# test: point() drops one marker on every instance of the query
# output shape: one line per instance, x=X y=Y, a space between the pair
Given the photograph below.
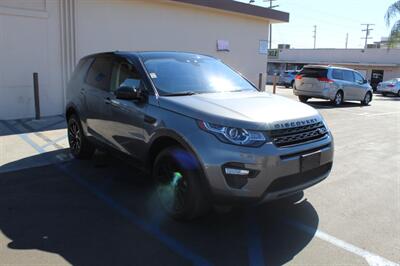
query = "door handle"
x=107 y=100
x=149 y=119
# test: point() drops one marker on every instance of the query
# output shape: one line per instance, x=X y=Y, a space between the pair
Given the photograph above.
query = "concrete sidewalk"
x=45 y=135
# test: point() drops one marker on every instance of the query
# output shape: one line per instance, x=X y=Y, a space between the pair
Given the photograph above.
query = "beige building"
x=375 y=64
x=50 y=36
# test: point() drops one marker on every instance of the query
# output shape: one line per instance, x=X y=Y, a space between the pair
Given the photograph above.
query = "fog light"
x=235 y=171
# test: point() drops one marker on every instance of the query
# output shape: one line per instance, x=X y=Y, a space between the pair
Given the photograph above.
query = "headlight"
x=232 y=135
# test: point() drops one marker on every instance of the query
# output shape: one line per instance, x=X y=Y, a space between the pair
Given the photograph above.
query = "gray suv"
x=332 y=83
x=205 y=134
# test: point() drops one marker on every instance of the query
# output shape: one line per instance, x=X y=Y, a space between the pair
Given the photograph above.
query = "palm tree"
x=393 y=12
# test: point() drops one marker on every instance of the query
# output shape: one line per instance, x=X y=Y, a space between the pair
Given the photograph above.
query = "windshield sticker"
x=153 y=75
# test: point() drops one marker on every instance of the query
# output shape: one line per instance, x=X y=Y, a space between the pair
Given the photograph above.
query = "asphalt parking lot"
x=55 y=210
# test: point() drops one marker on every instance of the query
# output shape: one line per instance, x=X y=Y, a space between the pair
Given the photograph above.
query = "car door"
x=127 y=116
x=350 y=88
x=97 y=94
x=361 y=86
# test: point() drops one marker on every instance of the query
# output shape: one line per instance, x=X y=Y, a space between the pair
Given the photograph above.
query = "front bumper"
x=278 y=169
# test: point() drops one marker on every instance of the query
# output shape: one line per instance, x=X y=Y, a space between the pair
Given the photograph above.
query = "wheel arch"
x=166 y=138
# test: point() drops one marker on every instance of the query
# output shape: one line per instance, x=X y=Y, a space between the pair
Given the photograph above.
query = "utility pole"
x=271 y=6
x=270 y=25
x=367 y=33
x=347 y=39
x=315 y=36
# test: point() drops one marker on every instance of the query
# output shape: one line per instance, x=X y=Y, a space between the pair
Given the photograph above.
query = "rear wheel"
x=179 y=189
x=367 y=99
x=398 y=93
x=80 y=147
x=338 y=100
x=303 y=99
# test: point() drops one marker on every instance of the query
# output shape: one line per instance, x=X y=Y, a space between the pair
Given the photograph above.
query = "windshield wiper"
x=183 y=93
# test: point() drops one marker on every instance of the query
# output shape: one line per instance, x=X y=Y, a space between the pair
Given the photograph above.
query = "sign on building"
x=273 y=53
x=223 y=46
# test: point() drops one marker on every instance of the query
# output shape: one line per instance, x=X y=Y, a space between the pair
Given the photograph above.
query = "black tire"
x=177 y=176
x=338 y=100
x=384 y=94
x=287 y=86
x=80 y=146
x=303 y=99
x=367 y=99
x=398 y=93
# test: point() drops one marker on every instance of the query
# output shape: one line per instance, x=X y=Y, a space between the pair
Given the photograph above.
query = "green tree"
x=392 y=13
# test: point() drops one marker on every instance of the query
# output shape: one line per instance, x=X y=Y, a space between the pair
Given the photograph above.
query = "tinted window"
x=337 y=74
x=181 y=72
x=358 y=78
x=314 y=72
x=348 y=75
x=99 y=74
x=126 y=75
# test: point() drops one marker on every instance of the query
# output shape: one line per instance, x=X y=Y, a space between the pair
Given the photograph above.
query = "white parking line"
x=372 y=259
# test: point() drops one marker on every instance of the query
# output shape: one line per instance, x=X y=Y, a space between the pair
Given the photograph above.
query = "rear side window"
x=314 y=73
x=337 y=74
x=358 y=78
x=348 y=75
x=99 y=74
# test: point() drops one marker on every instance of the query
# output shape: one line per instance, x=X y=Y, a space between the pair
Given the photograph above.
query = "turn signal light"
x=298 y=77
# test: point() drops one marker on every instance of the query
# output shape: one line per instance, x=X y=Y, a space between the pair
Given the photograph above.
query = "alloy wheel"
x=74 y=136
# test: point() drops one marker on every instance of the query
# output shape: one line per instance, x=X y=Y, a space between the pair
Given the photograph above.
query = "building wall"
x=365 y=61
x=29 y=42
x=50 y=36
x=162 y=25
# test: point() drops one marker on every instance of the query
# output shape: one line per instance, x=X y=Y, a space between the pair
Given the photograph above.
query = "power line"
x=315 y=36
x=367 y=33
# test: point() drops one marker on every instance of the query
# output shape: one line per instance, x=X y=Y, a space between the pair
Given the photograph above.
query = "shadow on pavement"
x=45 y=208
x=7 y=127
x=329 y=105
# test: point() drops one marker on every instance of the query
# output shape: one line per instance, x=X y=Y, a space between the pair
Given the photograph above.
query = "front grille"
x=298 y=135
x=299 y=179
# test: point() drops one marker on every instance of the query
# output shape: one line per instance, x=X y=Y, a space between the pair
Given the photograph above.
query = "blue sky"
x=334 y=18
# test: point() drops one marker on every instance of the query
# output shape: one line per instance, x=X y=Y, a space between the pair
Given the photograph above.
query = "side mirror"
x=365 y=81
x=128 y=93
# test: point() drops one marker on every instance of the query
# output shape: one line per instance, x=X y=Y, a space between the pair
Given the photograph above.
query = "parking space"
x=55 y=210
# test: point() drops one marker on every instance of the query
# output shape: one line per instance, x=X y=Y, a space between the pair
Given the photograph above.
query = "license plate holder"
x=310 y=161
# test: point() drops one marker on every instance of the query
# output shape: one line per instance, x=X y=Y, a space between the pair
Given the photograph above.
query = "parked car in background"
x=205 y=134
x=287 y=78
x=389 y=87
x=332 y=83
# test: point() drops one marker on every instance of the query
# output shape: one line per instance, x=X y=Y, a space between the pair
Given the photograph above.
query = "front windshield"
x=174 y=73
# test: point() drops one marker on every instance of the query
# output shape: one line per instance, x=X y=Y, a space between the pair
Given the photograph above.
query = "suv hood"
x=250 y=110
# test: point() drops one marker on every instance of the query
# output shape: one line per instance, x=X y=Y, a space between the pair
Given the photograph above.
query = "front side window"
x=99 y=74
x=125 y=75
x=358 y=78
x=174 y=73
x=348 y=75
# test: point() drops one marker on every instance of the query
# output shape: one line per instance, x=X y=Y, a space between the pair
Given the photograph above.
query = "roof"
x=240 y=8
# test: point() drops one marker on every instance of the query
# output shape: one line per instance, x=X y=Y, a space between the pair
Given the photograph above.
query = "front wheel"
x=398 y=93
x=177 y=176
x=367 y=99
x=303 y=99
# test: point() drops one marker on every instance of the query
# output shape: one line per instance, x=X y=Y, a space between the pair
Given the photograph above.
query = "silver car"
x=389 y=87
x=204 y=133
x=332 y=83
